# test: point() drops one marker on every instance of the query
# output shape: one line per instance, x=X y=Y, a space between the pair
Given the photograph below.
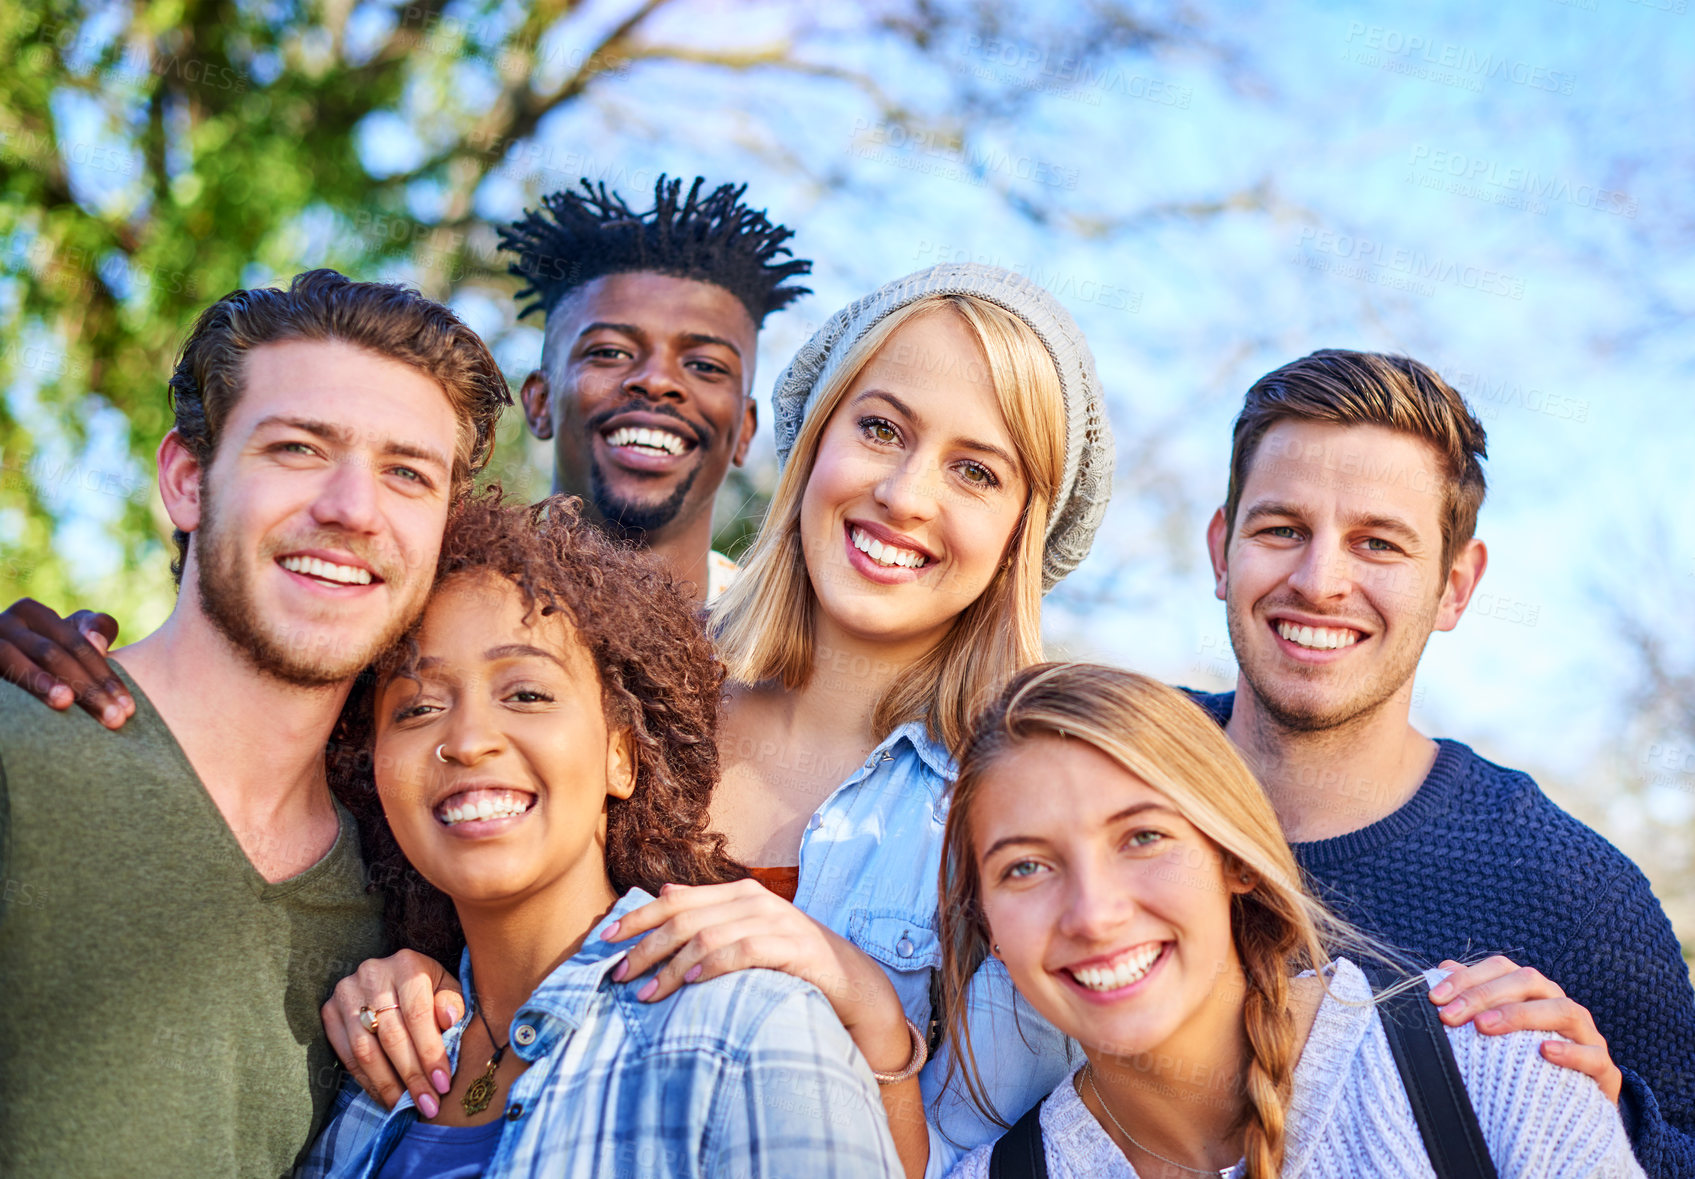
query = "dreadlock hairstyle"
x=577 y=237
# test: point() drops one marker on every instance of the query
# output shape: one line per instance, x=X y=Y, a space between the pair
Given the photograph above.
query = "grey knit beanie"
x=1086 y=482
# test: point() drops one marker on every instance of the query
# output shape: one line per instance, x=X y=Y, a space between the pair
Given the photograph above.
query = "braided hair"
x=577 y=237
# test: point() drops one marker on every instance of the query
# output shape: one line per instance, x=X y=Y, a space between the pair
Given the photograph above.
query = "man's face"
x=644 y=391
x=321 y=515
x=1332 y=574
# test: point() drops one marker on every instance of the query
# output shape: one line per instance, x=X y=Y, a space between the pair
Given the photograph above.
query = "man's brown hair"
x=383 y=318
x=1345 y=388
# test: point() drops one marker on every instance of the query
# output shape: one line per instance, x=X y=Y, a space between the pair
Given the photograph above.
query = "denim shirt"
x=870 y=862
x=747 y=1075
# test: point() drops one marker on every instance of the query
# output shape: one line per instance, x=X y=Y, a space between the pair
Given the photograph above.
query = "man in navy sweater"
x=1344 y=541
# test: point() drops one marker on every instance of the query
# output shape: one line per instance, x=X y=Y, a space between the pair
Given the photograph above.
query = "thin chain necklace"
x=482 y=1090
x=1089 y=1076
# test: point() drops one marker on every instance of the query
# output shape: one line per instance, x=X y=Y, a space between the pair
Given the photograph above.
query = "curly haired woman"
x=541 y=749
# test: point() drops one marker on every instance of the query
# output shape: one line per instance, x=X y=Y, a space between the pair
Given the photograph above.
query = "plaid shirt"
x=749 y=1075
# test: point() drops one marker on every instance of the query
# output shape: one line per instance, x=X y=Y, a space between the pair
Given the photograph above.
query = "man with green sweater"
x=180 y=896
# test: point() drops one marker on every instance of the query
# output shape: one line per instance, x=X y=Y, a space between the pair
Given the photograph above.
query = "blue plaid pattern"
x=748 y=1076
x=869 y=867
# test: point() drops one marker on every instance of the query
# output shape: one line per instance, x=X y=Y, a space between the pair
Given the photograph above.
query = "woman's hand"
x=1500 y=996
x=705 y=931
x=407 y=1046
x=62 y=661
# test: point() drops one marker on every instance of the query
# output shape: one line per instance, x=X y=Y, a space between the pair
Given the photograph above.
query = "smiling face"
x=916 y=489
x=516 y=802
x=317 y=524
x=644 y=392
x=1110 y=910
x=1332 y=576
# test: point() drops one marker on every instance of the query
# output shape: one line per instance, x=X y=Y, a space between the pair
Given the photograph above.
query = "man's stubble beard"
x=227 y=599
x=1294 y=714
x=632 y=519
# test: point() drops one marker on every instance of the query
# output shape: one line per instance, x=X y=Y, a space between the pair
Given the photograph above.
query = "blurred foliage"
x=158 y=153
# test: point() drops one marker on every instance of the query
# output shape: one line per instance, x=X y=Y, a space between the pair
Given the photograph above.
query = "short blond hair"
x=764 y=621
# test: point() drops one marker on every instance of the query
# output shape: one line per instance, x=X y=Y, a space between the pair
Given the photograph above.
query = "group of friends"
x=436 y=835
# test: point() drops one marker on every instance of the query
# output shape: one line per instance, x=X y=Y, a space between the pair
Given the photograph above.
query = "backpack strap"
x=1020 y=1153
x=1446 y=1119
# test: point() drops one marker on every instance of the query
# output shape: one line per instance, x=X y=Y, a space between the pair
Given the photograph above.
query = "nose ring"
x=439 y=757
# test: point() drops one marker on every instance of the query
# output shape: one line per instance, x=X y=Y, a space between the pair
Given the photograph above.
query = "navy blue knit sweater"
x=1479 y=861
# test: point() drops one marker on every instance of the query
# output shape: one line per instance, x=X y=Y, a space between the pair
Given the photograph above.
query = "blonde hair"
x=763 y=623
x=1166 y=740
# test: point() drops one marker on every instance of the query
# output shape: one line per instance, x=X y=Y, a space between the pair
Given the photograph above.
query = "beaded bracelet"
x=920 y=1054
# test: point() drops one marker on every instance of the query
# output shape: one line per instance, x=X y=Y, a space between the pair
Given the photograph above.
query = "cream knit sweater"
x=1349 y=1116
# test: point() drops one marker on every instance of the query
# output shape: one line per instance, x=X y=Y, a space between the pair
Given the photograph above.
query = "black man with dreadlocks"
x=652 y=322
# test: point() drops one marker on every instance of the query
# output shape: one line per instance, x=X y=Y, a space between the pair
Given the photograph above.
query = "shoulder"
x=1218 y=705
x=740 y=1016
x=1539 y=1118
x=974 y=1165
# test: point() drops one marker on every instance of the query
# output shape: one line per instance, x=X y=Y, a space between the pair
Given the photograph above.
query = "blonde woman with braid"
x=1110 y=848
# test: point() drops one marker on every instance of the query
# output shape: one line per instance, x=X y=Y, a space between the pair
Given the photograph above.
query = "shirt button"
x=525 y=1035
x=515 y=1111
x=815 y=822
x=904 y=946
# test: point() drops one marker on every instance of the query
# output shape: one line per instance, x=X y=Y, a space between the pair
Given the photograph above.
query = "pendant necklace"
x=1089 y=1076
x=483 y=1089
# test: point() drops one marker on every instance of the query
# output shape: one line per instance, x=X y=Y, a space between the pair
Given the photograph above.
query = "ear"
x=179 y=482
x=1463 y=577
x=620 y=764
x=1218 y=548
x=1238 y=877
x=538 y=404
x=750 y=426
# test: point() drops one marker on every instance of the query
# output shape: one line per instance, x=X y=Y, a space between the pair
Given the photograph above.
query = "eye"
x=410 y=475
x=1378 y=545
x=1021 y=870
x=413 y=709
x=1144 y=837
x=710 y=367
x=1283 y=532
x=879 y=430
x=300 y=448
x=529 y=695
x=607 y=352
x=978 y=475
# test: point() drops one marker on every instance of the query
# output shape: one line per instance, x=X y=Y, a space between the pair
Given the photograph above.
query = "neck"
x=514 y=946
x=1185 y=1099
x=256 y=742
x=1329 y=782
x=849 y=676
x=682 y=547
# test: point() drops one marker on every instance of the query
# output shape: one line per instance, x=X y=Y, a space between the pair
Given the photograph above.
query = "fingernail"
x=428 y=1105
x=59 y=696
x=1442 y=992
x=646 y=993
x=610 y=932
x=1454 y=1012
x=692 y=973
x=1488 y=1019
x=620 y=970
x=441 y=1080
x=112 y=715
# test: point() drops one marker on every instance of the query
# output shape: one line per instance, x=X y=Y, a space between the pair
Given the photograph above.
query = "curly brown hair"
x=658 y=677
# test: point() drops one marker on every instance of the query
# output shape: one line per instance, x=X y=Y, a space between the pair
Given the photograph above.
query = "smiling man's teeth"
x=1319 y=638
x=326 y=571
x=886 y=554
x=483 y=804
x=1136 y=964
x=650 y=439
